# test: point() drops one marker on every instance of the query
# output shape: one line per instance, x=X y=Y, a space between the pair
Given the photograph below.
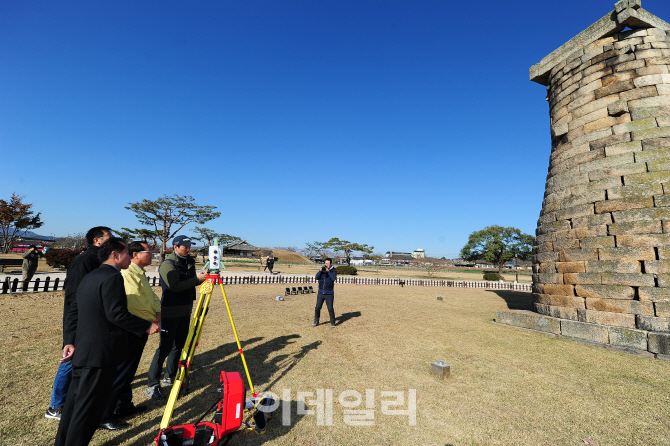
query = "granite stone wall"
x=602 y=250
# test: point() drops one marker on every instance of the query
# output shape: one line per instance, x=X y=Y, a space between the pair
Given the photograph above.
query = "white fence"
x=279 y=279
x=37 y=285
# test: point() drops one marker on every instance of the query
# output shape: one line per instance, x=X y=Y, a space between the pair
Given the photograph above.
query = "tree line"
x=164 y=217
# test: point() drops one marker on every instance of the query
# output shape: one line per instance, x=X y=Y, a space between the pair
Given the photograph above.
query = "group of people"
x=109 y=312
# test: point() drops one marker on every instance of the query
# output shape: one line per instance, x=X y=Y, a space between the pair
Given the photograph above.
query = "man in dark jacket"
x=101 y=339
x=178 y=279
x=83 y=264
x=326 y=276
x=30 y=261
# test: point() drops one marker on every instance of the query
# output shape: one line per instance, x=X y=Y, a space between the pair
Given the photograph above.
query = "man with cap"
x=178 y=279
x=30 y=259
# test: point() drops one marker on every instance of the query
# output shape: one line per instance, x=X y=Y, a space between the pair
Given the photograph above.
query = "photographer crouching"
x=326 y=277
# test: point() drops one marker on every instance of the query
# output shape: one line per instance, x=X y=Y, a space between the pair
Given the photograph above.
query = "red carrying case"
x=230 y=409
x=228 y=418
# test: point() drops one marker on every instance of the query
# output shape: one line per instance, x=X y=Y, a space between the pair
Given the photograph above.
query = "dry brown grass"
x=289 y=256
x=508 y=385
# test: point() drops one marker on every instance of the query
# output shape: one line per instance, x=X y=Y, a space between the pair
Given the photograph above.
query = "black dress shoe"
x=134 y=410
x=114 y=425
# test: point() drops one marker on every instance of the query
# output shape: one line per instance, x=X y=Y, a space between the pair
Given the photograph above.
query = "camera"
x=324 y=269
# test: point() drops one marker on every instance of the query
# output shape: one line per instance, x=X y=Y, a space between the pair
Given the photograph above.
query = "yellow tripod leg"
x=198 y=332
x=188 y=351
x=230 y=315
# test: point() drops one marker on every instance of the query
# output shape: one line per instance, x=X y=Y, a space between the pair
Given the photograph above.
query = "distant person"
x=270 y=263
x=326 y=276
x=143 y=303
x=83 y=264
x=178 y=279
x=30 y=261
x=101 y=340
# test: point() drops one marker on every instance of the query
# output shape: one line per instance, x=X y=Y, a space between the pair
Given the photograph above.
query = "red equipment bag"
x=230 y=409
x=227 y=420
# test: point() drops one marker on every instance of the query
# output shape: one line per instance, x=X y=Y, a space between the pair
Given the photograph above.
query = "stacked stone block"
x=602 y=249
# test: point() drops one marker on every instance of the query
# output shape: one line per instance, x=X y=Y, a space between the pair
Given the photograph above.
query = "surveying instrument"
x=231 y=404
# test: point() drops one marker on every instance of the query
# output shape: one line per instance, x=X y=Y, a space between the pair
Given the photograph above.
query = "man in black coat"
x=83 y=264
x=103 y=325
x=326 y=276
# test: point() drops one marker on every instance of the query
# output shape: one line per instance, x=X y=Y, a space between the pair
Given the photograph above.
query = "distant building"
x=419 y=254
x=483 y=264
x=239 y=248
x=399 y=257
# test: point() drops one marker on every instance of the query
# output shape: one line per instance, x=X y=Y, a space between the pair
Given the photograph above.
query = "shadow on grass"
x=341 y=319
x=140 y=380
x=204 y=379
x=516 y=300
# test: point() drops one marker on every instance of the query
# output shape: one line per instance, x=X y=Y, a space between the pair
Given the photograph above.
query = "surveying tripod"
x=195 y=330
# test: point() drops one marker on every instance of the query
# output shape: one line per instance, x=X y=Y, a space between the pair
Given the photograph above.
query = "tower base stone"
x=646 y=343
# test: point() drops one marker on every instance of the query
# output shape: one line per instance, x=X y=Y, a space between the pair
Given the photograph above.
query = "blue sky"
x=399 y=124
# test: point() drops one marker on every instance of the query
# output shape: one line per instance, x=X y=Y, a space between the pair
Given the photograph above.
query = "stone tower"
x=602 y=250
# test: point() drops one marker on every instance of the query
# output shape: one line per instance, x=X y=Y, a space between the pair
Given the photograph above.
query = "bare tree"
x=430 y=265
x=73 y=241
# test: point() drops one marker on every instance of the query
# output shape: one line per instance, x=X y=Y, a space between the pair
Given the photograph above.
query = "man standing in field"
x=178 y=279
x=83 y=264
x=101 y=339
x=143 y=303
x=30 y=260
x=326 y=276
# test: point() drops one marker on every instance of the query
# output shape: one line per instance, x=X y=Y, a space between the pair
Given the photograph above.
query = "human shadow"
x=516 y=300
x=140 y=380
x=287 y=362
x=344 y=317
x=263 y=363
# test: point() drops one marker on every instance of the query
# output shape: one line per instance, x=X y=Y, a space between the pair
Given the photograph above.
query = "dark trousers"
x=329 y=303
x=27 y=277
x=85 y=404
x=171 y=343
x=121 y=395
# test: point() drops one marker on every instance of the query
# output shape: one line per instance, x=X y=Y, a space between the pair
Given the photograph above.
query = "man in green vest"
x=30 y=259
